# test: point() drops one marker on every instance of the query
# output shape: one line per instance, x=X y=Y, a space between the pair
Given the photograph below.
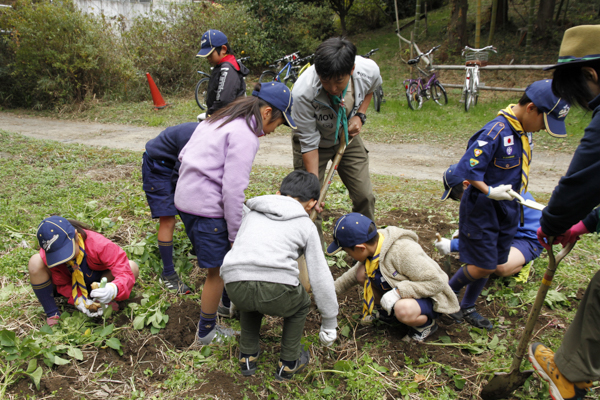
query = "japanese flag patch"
x=508 y=141
x=477 y=152
x=473 y=162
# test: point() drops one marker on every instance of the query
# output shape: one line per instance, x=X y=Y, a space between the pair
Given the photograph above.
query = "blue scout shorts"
x=209 y=237
x=486 y=229
x=380 y=284
x=530 y=248
x=427 y=308
x=160 y=192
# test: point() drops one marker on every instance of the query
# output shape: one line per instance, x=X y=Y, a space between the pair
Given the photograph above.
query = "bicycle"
x=474 y=58
x=418 y=91
x=202 y=87
x=378 y=92
x=290 y=71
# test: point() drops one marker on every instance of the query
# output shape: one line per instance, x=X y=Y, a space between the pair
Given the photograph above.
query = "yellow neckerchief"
x=371 y=266
x=514 y=122
x=77 y=276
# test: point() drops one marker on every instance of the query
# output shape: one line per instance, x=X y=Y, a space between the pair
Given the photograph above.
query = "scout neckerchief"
x=78 y=288
x=371 y=266
x=342 y=118
x=514 y=122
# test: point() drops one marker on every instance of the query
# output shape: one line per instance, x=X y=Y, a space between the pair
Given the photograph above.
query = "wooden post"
x=412 y=47
x=398 y=28
x=493 y=21
x=417 y=17
x=478 y=25
x=529 y=30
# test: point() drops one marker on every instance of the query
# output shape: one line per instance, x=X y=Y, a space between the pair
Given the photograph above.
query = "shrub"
x=56 y=54
x=367 y=15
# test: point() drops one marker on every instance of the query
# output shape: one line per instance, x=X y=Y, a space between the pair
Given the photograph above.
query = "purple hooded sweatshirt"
x=215 y=171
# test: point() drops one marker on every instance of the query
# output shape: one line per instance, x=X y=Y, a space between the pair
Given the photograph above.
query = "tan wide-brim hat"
x=580 y=44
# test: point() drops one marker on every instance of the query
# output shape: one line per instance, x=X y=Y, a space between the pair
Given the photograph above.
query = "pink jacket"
x=215 y=171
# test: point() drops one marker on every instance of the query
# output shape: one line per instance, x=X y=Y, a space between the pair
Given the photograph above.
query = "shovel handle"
x=539 y=302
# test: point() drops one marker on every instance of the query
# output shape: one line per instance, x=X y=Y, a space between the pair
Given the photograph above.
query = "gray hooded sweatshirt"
x=275 y=232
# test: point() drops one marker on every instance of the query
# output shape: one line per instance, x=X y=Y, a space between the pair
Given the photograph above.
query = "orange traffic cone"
x=159 y=103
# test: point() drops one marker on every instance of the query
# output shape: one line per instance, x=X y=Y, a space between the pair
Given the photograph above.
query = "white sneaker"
x=201 y=117
x=218 y=335
x=420 y=334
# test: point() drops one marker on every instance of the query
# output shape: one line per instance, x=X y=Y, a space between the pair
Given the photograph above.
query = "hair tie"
x=254 y=93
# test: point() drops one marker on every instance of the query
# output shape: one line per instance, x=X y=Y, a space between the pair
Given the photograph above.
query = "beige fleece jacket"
x=404 y=265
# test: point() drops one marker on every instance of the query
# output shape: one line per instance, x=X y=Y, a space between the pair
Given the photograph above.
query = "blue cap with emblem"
x=212 y=38
x=555 y=109
x=56 y=236
x=350 y=230
x=279 y=96
x=450 y=180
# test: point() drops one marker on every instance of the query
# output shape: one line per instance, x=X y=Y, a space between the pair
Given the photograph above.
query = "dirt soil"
x=417 y=161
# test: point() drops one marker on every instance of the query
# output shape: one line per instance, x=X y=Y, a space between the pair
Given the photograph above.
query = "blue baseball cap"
x=350 y=230
x=56 y=236
x=555 y=109
x=450 y=180
x=210 y=39
x=279 y=96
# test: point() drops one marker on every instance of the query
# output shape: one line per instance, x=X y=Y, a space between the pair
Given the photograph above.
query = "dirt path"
x=417 y=161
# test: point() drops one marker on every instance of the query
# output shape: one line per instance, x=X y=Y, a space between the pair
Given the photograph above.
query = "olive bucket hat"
x=579 y=44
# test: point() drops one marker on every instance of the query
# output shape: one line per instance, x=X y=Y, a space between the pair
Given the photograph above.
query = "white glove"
x=389 y=299
x=443 y=246
x=327 y=336
x=500 y=192
x=106 y=294
x=455 y=235
x=82 y=307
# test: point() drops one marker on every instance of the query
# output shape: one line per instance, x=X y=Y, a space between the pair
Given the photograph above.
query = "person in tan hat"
x=571 y=370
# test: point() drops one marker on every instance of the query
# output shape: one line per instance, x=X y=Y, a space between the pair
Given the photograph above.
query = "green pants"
x=254 y=299
x=354 y=173
x=578 y=357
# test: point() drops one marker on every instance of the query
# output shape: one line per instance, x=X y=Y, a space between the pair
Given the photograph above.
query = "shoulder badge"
x=477 y=152
x=473 y=162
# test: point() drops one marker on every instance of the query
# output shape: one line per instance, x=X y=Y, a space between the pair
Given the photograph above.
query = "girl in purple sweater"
x=215 y=171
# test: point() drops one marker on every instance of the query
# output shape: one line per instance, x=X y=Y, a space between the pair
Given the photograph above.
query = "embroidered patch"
x=563 y=113
x=477 y=152
x=481 y=143
x=46 y=244
x=509 y=150
x=508 y=141
x=473 y=162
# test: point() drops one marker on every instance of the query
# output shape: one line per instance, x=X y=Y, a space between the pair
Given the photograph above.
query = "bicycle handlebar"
x=416 y=60
x=289 y=57
x=244 y=59
x=486 y=48
x=370 y=53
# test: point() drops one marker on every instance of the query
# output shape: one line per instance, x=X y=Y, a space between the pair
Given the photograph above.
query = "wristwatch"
x=363 y=117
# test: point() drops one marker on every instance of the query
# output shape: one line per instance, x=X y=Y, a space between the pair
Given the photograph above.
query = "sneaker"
x=51 y=321
x=542 y=359
x=226 y=312
x=420 y=334
x=477 y=320
x=248 y=364
x=523 y=275
x=284 y=373
x=458 y=317
x=218 y=335
x=172 y=282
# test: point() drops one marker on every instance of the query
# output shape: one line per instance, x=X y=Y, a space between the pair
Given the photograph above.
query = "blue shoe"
x=477 y=320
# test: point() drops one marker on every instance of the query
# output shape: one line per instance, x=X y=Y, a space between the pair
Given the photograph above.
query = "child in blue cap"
x=395 y=272
x=215 y=171
x=227 y=78
x=497 y=160
x=524 y=247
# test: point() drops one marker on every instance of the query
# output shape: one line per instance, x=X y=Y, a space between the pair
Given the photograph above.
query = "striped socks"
x=206 y=324
x=166 y=255
x=45 y=294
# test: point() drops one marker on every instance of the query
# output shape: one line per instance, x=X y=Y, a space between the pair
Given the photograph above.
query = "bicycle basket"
x=476 y=57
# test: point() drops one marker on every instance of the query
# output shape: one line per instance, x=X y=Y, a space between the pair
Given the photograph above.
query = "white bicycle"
x=474 y=58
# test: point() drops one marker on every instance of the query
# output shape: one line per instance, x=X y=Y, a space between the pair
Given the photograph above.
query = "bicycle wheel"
x=267 y=76
x=377 y=98
x=289 y=82
x=201 y=92
x=438 y=94
x=415 y=101
x=468 y=93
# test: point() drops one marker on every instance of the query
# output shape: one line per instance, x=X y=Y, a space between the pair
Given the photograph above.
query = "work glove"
x=389 y=299
x=499 y=192
x=560 y=239
x=443 y=246
x=574 y=233
x=455 y=235
x=327 y=336
x=81 y=306
x=106 y=294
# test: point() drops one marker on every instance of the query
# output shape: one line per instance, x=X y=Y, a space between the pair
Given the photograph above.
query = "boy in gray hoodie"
x=261 y=273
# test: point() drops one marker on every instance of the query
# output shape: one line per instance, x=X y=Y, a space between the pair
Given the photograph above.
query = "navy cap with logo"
x=210 y=39
x=279 y=96
x=555 y=109
x=350 y=230
x=56 y=236
x=450 y=180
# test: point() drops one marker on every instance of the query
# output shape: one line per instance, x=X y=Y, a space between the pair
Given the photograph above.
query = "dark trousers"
x=255 y=298
x=578 y=357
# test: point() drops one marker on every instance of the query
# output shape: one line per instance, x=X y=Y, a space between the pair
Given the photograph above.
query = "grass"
x=102 y=187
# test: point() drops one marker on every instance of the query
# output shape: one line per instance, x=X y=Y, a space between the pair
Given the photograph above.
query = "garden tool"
x=447 y=262
x=503 y=384
x=526 y=203
x=303 y=275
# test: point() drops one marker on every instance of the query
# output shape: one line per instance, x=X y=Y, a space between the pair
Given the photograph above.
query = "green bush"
x=165 y=43
x=56 y=55
x=367 y=15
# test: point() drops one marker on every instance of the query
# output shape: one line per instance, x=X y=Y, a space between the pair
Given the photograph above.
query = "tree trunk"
x=529 y=31
x=457 y=28
x=493 y=22
x=545 y=14
x=343 y=23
